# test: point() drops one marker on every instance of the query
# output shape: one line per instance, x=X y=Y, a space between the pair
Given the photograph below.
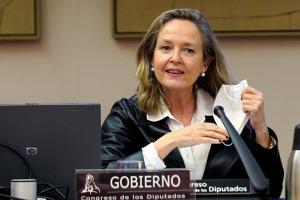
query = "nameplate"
x=221 y=187
x=106 y=184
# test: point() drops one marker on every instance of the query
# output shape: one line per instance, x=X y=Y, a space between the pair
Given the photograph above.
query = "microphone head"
x=219 y=111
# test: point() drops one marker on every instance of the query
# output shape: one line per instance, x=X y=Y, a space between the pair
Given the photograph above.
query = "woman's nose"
x=175 y=57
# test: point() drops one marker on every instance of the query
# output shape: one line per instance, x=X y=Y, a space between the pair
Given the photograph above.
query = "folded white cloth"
x=229 y=97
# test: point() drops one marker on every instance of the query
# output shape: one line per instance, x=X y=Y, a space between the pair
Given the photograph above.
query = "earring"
x=151 y=74
x=203 y=74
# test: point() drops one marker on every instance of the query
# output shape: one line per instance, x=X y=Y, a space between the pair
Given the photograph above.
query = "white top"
x=194 y=157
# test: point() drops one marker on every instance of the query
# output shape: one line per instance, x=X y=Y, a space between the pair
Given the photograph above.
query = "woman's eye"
x=165 y=48
x=189 y=50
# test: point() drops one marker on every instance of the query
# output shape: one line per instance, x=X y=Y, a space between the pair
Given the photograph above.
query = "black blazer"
x=126 y=131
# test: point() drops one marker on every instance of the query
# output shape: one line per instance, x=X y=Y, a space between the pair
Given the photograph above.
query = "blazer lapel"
x=155 y=131
x=220 y=160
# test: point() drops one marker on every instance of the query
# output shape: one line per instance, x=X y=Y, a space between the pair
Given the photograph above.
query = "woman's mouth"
x=174 y=71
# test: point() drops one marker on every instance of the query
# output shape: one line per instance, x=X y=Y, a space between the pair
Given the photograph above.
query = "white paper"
x=229 y=97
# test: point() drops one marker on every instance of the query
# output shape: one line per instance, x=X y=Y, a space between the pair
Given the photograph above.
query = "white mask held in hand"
x=229 y=97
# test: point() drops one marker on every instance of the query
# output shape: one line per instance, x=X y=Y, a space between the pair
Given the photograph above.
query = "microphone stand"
x=256 y=176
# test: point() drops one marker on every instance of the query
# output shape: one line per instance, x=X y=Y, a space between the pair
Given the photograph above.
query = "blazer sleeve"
x=270 y=162
x=119 y=135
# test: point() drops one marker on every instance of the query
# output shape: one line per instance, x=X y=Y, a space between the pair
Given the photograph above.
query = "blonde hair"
x=150 y=92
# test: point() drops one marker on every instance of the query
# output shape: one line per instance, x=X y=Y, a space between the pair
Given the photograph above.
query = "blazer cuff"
x=274 y=147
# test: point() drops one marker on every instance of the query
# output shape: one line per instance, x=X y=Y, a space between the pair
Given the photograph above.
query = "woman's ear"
x=206 y=64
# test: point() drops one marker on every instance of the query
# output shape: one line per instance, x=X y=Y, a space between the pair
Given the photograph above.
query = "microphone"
x=255 y=174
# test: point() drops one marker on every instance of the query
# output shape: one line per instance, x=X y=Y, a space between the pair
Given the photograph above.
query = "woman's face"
x=178 y=55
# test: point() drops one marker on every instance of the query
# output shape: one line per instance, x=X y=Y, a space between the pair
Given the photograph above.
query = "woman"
x=169 y=124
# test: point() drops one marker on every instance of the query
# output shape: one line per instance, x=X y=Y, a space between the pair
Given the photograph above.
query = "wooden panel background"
x=227 y=17
x=19 y=19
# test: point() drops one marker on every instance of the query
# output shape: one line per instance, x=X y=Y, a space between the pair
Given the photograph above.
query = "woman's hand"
x=188 y=136
x=198 y=133
x=253 y=104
